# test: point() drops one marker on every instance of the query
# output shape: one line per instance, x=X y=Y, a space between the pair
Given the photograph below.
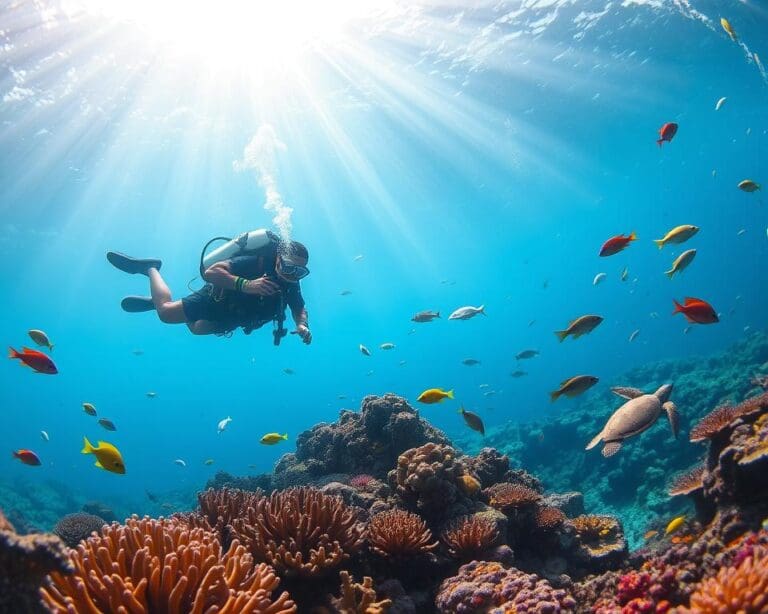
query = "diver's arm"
x=302 y=324
x=220 y=276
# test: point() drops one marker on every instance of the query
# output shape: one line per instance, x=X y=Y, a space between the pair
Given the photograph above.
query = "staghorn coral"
x=547 y=518
x=357 y=598
x=428 y=479
x=508 y=497
x=300 y=531
x=73 y=528
x=221 y=507
x=600 y=542
x=397 y=533
x=470 y=536
x=687 y=482
x=481 y=587
x=163 y=566
x=24 y=562
x=742 y=588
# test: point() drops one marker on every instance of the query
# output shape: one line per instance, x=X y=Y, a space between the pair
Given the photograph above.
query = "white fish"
x=654 y=315
x=180 y=462
x=387 y=346
x=741 y=232
x=720 y=103
x=598 y=278
x=370 y=373
x=634 y=335
x=358 y=258
x=151 y=395
x=714 y=172
x=484 y=386
x=223 y=424
x=402 y=363
x=365 y=350
x=44 y=435
x=465 y=313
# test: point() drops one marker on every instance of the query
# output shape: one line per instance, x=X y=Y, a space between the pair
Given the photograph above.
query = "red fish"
x=696 y=311
x=28 y=457
x=34 y=359
x=615 y=244
x=667 y=133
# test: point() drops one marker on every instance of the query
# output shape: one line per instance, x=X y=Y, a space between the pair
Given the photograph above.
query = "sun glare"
x=237 y=32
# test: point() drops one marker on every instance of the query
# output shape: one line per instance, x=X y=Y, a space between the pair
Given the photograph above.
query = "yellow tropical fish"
x=108 y=457
x=470 y=485
x=270 y=439
x=682 y=261
x=674 y=525
x=728 y=28
x=434 y=395
x=679 y=234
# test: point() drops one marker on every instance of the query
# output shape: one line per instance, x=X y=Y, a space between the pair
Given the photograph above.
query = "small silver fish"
x=107 y=424
x=358 y=258
x=470 y=362
x=223 y=424
x=387 y=346
x=44 y=436
x=180 y=462
x=526 y=354
x=720 y=103
x=345 y=292
x=151 y=395
x=288 y=371
x=466 y=313
x=364 y=350
x=634 y=335
x=598 y=278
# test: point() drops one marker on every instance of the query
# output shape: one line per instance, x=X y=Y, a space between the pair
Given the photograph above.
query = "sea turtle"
x=639 y=413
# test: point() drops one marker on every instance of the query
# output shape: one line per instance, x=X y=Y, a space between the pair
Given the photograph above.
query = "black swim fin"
x=133 y=265
x=137 y=304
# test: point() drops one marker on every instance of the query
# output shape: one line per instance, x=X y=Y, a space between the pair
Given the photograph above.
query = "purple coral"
x=483 y=587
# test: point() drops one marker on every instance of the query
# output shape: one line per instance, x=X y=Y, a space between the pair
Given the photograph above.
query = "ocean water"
x=430 y=155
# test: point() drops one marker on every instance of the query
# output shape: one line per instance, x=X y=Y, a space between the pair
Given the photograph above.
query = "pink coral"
x=361 y=481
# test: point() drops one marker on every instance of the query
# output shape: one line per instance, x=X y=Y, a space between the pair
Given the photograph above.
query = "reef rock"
x=368 y=441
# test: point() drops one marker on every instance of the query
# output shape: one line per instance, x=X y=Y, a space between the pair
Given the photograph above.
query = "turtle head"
x=663 y=393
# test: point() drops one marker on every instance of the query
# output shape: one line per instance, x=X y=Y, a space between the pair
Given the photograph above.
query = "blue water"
x=469 y=158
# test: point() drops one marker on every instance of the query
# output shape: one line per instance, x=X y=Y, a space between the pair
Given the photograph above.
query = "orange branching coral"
x=548 y=518
x=722 y=417
x=358 y=598
x=687 y=482
x=163 y=567
x=741 y=589
x=507 y=497
x=221 y=507
x=300 y=531
x=470 y=536
x=399 y=533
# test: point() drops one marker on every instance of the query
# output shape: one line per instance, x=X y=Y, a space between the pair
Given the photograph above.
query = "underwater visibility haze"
x=430 y=156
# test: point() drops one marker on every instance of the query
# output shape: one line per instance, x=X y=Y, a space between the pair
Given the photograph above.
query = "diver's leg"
x=203 y=327
x=168 y=310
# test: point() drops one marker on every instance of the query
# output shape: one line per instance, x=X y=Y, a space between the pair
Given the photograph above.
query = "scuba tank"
x=246 y=242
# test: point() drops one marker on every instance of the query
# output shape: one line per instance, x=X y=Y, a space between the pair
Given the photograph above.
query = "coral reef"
x=687 y=482
x=428 y=479
x=600 y=542
x=221 y=507
x=469 y=537
x=300 y=531
x=356 y=598
x=368 y=441
x=509 y=497
x=24 y=562
x=74 y=528
x=489 y=587
x=547 y=518
x=162 y=566
x=222 y=480
x=398 y=533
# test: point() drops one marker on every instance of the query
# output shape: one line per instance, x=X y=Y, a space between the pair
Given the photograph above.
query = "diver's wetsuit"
x=229 y=309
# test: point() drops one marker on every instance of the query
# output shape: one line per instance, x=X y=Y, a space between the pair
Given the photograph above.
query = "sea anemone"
x=687 y=482
x=397 y=533
x=162 y=566
x=741 y=589
x=300 y=531
x=73 y=528
x=507 y=497
x=548 y=518
x=469 y=536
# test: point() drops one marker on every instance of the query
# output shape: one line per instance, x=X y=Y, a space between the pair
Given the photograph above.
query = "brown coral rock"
x=469 y=537
x=301 y=531
x=713 y=423
x=397 y=533
x=163 y=567
x=600 y=540
x=548 y=518
x=358 y=598
x=508 y=497
x=687 y=482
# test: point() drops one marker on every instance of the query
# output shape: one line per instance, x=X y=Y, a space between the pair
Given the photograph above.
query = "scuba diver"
x=250 y=281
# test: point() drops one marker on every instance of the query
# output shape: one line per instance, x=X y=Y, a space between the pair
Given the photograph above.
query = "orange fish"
x=28 y=457
x=696 y=311
x=667 y=133
x=34 y=359
x=650 y=534
x=615 y=244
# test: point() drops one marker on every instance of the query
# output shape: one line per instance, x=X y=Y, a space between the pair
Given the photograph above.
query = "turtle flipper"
x=673 y=417
x=595 y=441
x=611 y=448
x=627 y=393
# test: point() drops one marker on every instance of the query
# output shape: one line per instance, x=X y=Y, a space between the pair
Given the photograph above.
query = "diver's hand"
x=303 y=332
x=263 y=286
